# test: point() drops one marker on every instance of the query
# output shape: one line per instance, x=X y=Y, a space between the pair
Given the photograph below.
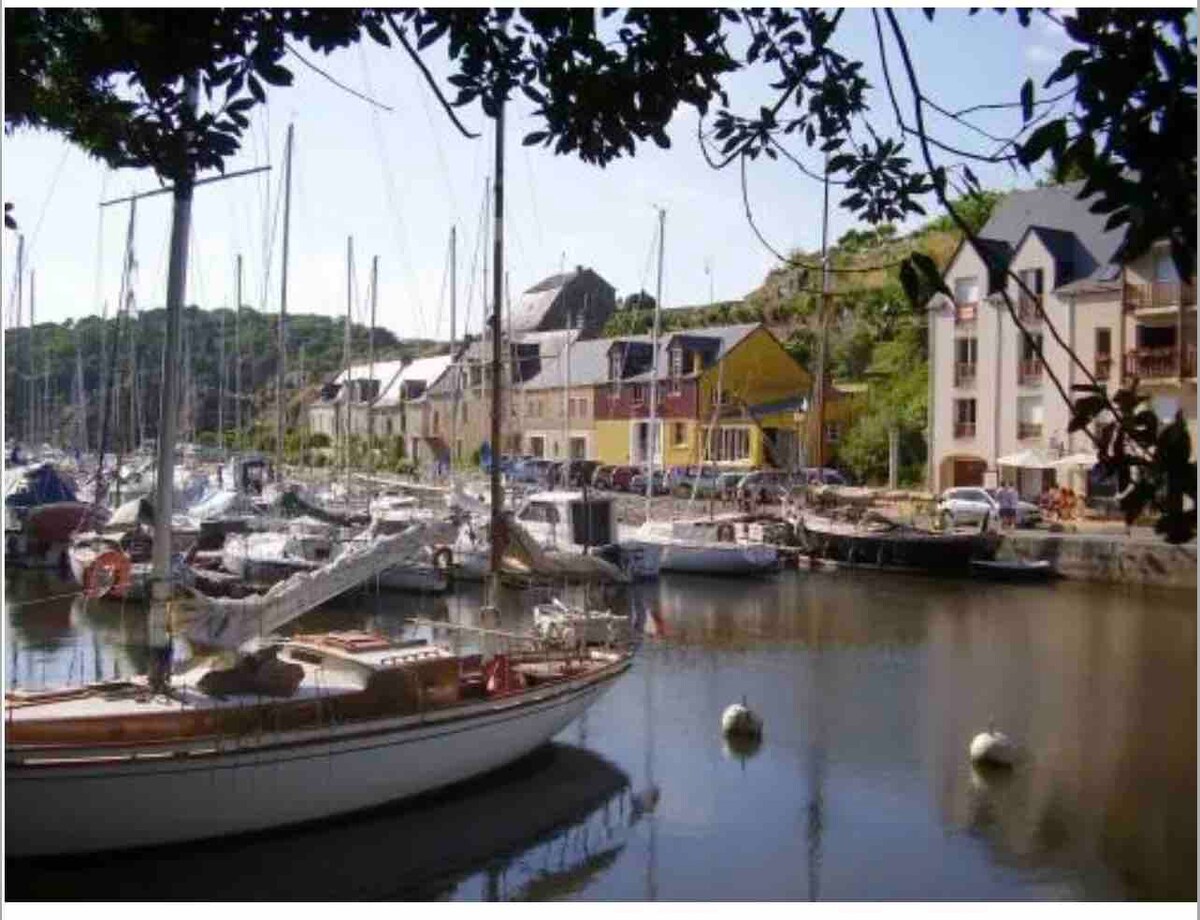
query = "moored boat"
x=886 y=545
x=298 y=730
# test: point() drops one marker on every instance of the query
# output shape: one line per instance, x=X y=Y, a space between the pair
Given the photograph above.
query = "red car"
x=621 y=477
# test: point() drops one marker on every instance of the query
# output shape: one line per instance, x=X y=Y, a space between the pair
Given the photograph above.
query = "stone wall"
x=1100 y=557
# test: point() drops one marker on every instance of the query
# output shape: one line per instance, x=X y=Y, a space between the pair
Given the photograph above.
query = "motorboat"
x=572 y=627
x=304 y=545
x=573 y=521
x=876 y=542
x=41 y=510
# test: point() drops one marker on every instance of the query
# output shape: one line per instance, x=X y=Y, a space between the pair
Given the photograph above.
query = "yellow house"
x=755 y=424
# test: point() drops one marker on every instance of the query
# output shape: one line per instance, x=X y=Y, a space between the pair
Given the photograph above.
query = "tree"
x=598 y=93
x=639 y=301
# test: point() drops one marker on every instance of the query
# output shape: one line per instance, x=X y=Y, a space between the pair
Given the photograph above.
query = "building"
x=377 y=392
x=758 y=421
x=580 y=299
x=991 y=397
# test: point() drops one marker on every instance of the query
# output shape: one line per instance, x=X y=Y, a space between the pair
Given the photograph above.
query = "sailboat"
x=295 y=729
x=684 y=547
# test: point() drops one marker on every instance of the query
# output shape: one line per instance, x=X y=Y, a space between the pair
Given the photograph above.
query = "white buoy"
x=739 y=721
x=993 y=748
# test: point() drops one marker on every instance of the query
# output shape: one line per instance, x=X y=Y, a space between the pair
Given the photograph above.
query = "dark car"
x=580 y=472
x=661 y=486
x=602 y=476
x=763 y=486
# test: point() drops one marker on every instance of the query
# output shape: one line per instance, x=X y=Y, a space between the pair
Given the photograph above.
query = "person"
x=1007 y=499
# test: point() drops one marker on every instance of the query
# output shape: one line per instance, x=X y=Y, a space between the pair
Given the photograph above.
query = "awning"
x=1085 y=459
x=1030 y=459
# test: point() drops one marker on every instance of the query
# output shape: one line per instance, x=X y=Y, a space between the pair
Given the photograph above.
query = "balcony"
x=964 y=429
x=1160 y=294
x=1151 y=363
x=965 y=312
x=1029 y=308
x=1103 y=366
x=1029 y=430
x=1029 y=373
x=964 y=374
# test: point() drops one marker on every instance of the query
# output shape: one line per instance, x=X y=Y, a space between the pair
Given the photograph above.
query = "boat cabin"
x=569 y=519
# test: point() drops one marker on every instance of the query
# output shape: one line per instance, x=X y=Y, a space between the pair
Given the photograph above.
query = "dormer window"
x=677 y=361
x=614 y=364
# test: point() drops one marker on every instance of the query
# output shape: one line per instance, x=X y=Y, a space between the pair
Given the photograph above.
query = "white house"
x=990 y=397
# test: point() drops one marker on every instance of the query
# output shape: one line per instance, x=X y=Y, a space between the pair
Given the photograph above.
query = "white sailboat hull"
x=189 y=793
x=718 y=558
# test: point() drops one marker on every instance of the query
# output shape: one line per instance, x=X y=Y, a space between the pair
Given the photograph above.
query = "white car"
x=968 y=505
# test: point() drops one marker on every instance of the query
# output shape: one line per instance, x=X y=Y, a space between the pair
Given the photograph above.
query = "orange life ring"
x=109 y=573
x=500 y=678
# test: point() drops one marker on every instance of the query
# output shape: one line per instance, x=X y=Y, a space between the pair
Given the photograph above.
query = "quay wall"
x=1108 y=558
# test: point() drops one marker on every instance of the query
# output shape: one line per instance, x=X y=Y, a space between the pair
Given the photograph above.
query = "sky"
x=397 y=181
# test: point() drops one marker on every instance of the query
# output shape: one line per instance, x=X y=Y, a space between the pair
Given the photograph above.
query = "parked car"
x=621 y=478
x=580 y=472
x=703 y=482
x=661 y=486
x=602 y=476
x=727 y=483
x=969 y=505
x=763 y=485
x=533 y=471
x=823 y=476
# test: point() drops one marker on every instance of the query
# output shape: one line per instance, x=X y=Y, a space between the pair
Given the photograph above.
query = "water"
x=870 y=686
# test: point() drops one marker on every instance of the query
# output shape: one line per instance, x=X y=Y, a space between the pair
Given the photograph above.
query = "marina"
x=870 y=687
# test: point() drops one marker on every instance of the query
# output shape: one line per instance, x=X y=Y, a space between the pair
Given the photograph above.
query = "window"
x=1032 y=279
x=1029 y=305
x=389 y=427
x=966 y=353
x=1029 y=417
x=679 y=434
x=676 y=361
x=964 y=418
x=832 y=429
x=537 y=446
x=437 y=424
x=614 y=364
x=1103 y=358
x=578 y=448
x=1029 y=370
x=639 y=393
x=966 y=290
x=729 y=445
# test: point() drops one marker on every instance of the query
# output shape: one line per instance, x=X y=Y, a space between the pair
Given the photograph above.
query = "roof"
x=531 y=307
x=425 y=370
x=382 y=371
x=1063 y=222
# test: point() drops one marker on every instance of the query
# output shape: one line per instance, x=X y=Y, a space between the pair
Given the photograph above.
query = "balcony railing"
x=964 y=429
x=1029 y=308
x=965 y=312
x=1103 y=366
x=1149 y=363
x=964 y=373
x=1029 y=372
x=1027 y=430
x=1160 y=294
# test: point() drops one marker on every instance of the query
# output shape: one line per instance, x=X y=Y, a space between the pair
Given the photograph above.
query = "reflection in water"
x=870 y=686
x=531 y=829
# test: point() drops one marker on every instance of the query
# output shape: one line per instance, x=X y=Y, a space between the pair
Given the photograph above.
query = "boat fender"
x=725 y=533
x=739 y=721
x=443 y=558
x=109 y=573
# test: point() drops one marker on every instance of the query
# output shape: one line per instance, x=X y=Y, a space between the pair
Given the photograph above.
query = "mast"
x=453 y=334
x=131 y=371
x=651 y=435
x=302 y=424
x=221 y=388
x=497 y=525
x=346 y=361
x=287 y=219
x=371 y=364
x=823 y=340
x=160 y=583
x=32 y=389
x=20 y=309
x=237 y=355
x=81 y=439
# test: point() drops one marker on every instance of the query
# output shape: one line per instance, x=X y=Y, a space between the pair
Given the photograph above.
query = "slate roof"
x=1064 y=224
x=391 y=375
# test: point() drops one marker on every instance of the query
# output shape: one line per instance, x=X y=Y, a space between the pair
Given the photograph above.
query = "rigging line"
x=537 y=221
x=340 y=85
x=97 y=280
x=433 y=129
x=401 y=230
x=1006 y=105
x=46 y=204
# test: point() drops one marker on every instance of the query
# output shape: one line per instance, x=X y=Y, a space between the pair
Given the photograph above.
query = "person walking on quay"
x=1007 y=499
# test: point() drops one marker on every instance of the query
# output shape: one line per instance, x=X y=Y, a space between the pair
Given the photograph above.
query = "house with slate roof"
x=991 y=397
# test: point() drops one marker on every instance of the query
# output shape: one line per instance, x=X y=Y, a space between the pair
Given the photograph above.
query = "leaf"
x=275 y=74
x=928 y=271
x=1050 y=136
x=255 y=87
x=535 y=137
x=1084 y=411
x=1027 y=100
x=376 y=32
x=910 y=282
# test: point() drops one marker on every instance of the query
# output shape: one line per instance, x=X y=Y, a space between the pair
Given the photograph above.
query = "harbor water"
x=870 y=687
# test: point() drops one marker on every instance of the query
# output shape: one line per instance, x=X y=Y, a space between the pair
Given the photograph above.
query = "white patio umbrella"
x=1086 y=459
x=1029 y=458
